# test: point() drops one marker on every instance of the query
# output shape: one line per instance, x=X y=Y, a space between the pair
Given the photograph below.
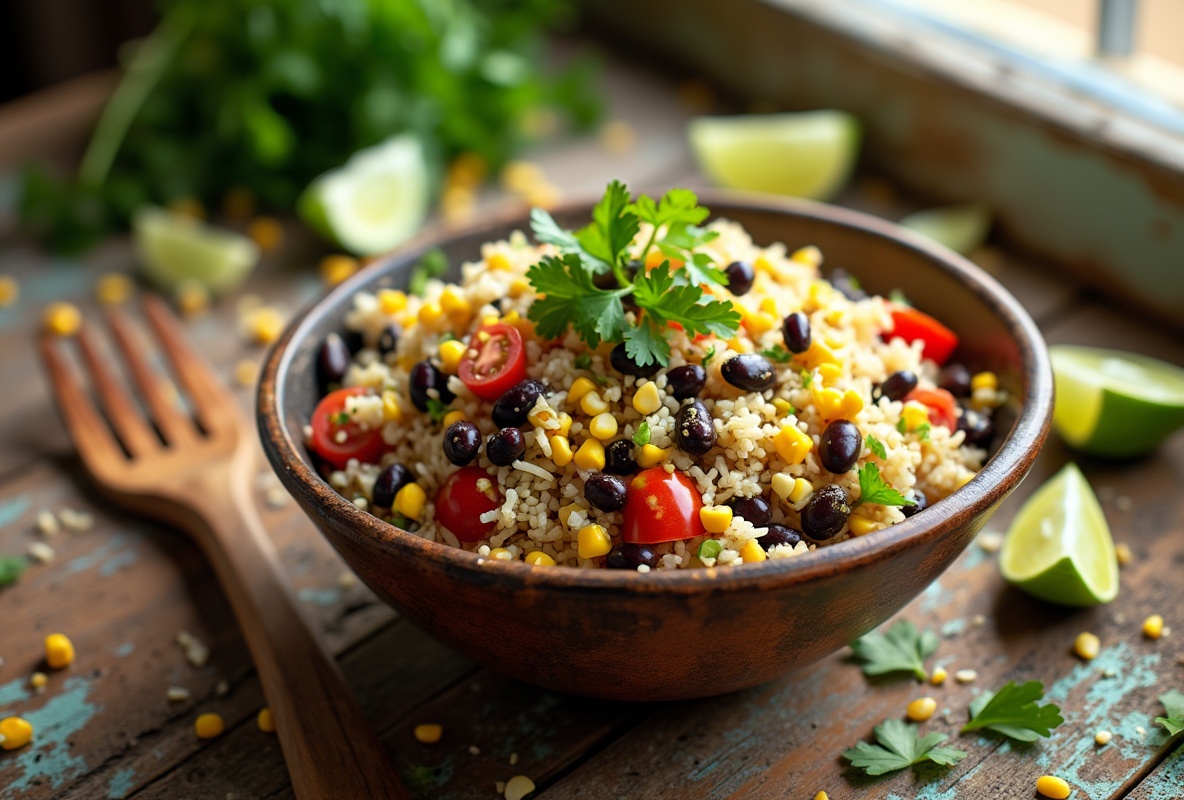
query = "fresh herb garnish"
x=436 y=410
x=432 y=264
x=583 y=361
x=662 y=295
x=900 y=747
x=877 y=447
x=897 y=296
x=807 y=378
x=777 y=353
x=922 y=431
x=710 y=354
x=11 y=568
x=340 y=418
x=1013 y=712
x=1173 y=707
x=874 y=489
x=902 y=648
x=641 y=437
x=710 y=549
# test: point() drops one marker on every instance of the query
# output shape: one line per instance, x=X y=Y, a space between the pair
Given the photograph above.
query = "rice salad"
x=644 y=393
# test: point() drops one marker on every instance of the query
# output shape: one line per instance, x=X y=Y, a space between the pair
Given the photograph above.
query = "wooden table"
x=125 y=588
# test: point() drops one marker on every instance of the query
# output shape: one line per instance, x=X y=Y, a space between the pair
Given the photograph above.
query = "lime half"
x=1111 y=403
x=1058 y=548
x=809 y=154
x=960 y=228
x=176 y=248
x=375 y=201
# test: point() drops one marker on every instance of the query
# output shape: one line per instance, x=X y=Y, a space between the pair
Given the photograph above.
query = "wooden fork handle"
x=329 y=746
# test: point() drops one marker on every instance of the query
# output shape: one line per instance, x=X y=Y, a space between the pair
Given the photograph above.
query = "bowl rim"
x=999 y=476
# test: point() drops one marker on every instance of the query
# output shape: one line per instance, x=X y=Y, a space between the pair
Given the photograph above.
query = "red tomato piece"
x=327 y=427
x=943 y=408
x=494 y=361
x=460 y=504
x=910 y=324
x=661 y=506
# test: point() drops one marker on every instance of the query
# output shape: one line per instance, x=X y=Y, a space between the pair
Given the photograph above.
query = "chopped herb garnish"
x=433 y=264
x=710 y=549
x=897 y=296
x=11 y=568
x=341 y=418
x=877 y=447
x=641 y=436
x=1013 y=712
x=710 y=354
x=899 y=747
x=436 y=410
x=922 y=431
x=874 y=489
x=807 y=378
x=902 y=648
x=777 y=353
x=1173 y=707
x=583 y=361
x=901 y=427
x=570 y=298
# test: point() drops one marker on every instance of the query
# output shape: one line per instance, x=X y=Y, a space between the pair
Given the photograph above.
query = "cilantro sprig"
x=902 y=648
x=776 y=353
x=874 y=489
x=570 y=296
x=641 y=437
x=899 y=746
x=1014 y=711
x=877 y=448
x=1173 y=708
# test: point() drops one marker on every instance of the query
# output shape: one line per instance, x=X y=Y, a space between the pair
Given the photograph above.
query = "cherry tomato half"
x=460 y=504
x=327 y=429
x=495 y=361
x=910 y=324
x=943 y=408
x=661 y=506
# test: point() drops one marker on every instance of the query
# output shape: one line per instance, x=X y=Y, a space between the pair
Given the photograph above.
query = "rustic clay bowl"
x=680 y=634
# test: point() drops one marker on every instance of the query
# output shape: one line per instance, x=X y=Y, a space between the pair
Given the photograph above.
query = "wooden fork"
x=194 y=472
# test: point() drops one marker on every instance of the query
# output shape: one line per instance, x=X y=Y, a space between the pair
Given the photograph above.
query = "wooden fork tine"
x=216 y=407
x=175 y=426
x=129 y=423
x=97 y=447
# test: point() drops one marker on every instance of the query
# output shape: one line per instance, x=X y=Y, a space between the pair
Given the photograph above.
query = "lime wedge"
x=176 y=248
x=960 y=228
x=1058 y=548
x=375 y=201
x=1116 y=404
x=809 y=154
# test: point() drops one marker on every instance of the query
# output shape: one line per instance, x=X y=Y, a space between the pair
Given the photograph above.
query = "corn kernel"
x=590 y=455
x=518 y=787
x=792 y=444
x=715 y=519
x=769 y=306
x=1053 y=787
x=965 y=676
x=59 y=651
x=15 y=732
x=1153 y=626
x=603 y=426
x=783 y=406
x=816 y=355
x=267 y=232
x=579 y=387
x=921 y=709
x=457 y=307
x=566 y=511
x=62 y=319
x=10 y=290
x=809 y=255
x=564 y=424
x=451 y=352
x=432 y=317
x=652 y=455
x=829 y=373
x=246 y=373
x=336 y=267
x=208 y=726
x=762 y=264
x=501 y=554
x=521 y=176
x=560 y=451
x=939 y=676
x=114 y=288
x=850 y=405
x=819 y=295
x=539 y=559
x=391 y=411
x=391 y=301
x=410 y=501
x=646 y=400
x=1123 y=554
x=38 y=680
x=519 y=287
x=264 y=325
x=801 y=493
x=828 y=402
x=861 y=525
x=592 y=404
x=782 y=484
x=488 y=319
x=738 y=345
x=752 y=552
x=914 y=415
x=264 y=720
x=428 y=733
x=755 y=322
x=1086 y=645
x=456 y=415
x=822 y=796
x=984 y=380
x=498 y=261
x=1103 y=738
x=593 y=541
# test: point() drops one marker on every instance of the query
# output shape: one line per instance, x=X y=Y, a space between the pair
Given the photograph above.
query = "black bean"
x=847 y=285
x=955 y=379
x=795 y=329
x=388 y=340
x=505 y=447
x=511 y=408
x=740 y=277
x=896 y=386
x=780 y=534
x=606 y=492
x=425 y=376
x=920 y=503
x=631 y=556
x=390 y=480
x=686 y=381
x=753 y=509
x=694 y=428
x=839 y=446
x=462 y=442
x=978 y=427
x=332 y=361
x=750 y=372
x=622 y=363
x=826 y=513
x=618 y=458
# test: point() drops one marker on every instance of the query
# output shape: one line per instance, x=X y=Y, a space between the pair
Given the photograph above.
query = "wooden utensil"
x=194 y=472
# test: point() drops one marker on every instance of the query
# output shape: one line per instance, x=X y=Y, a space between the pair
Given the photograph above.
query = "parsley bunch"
x=570 y=294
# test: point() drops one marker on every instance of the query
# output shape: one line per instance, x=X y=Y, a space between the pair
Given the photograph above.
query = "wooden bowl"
x=685 y=633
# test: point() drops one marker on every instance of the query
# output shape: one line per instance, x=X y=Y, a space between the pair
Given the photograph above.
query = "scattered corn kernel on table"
x=119 y=721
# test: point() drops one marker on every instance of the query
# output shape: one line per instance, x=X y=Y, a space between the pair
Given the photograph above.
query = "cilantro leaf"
x=677 y=206
x=776 y=353
x=570 y=298
x=807 y=378
x=710 y=549
x=613 y=226
x=874 y=489
x=922 y=431
x=900 y=747
x=700 y=269
x=1173 y=706
x=877 y=447
x=641 y=437
x=583 y=361
x=899 y=649
x=1013 y=712
x=547 y=230
x=11 y=568
x=646 y=344
x=436 y=410
x=710 y=354
x=664 y=301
